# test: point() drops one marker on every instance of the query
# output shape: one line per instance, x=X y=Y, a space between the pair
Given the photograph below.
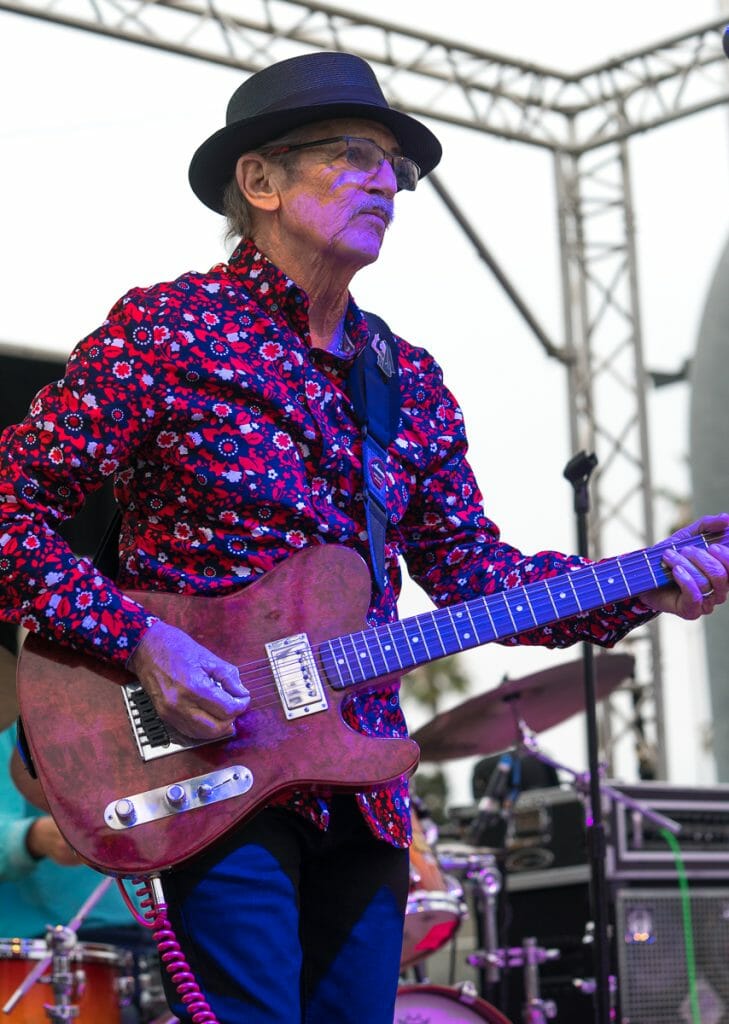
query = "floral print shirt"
x=232 y=444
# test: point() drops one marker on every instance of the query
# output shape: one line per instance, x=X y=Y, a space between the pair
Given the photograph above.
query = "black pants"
x=282 y=923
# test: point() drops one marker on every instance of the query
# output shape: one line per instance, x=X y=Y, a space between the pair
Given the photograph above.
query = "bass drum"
x=438 y=1005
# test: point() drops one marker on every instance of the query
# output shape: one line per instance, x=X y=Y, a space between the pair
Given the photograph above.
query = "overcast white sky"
x=96 y=137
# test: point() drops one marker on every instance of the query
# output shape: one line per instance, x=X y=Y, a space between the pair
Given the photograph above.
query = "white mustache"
x=381 y=208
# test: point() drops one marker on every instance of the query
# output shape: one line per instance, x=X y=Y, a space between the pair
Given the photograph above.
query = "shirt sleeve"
x=79 y=431
x=15 y=820
x=450 y=546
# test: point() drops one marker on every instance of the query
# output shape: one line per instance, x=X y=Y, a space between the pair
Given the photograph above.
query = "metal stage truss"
x=586 y=119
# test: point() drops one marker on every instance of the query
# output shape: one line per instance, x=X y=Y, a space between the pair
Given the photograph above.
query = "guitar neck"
x=397 y=647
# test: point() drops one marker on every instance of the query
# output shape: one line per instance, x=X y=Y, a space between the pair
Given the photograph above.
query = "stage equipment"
x=435 y=1003
x=654 y=965
x=95 y=976
x=71 y=964
x=435 y=905
x=488 y=723
x=638 y=852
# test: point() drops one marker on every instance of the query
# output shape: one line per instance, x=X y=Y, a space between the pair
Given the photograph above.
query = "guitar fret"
x=572 y=587
x=549 y=595
x=338 y=661
x=447 y=615
x=531 y=606
x=518 y=611
x=439 y=638
x=486 y=603
x=597 y=582
x=353 y=661
x=473 y=624
x=455 y=628
x=508 y=611
x=650 y=568
x=481 y=619
x=382 y=650
x=413 y=659
x=393 y=645
x=585 y=585
x=422 y=634
x=378 y=662
x=563 y=597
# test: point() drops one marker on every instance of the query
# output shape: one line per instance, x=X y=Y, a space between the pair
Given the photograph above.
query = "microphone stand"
x=578 y=471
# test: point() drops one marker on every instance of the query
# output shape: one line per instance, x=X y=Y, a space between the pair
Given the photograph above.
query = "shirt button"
x=274 y=307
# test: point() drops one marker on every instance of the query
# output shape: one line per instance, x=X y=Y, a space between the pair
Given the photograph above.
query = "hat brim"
x=213 y=164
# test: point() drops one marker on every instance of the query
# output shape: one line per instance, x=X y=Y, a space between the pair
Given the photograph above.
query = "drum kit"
x=449 y=876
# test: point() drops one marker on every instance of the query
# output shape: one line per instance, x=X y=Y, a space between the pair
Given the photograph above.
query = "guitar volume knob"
x=125 y=811
x=175 y=795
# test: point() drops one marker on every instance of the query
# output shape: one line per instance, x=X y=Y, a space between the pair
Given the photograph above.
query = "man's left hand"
x=700 y=575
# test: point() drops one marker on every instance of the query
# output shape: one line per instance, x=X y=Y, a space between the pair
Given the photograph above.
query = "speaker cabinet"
x=651 y=954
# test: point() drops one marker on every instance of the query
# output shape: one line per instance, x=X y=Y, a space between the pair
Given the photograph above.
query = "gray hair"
x=236 y=208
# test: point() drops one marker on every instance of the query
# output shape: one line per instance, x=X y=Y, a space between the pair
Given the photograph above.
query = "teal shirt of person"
x=37 y=892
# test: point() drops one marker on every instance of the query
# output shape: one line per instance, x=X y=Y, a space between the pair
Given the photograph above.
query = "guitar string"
x=256 y=675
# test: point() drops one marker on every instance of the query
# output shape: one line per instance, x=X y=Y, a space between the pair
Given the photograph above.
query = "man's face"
x=329 y=208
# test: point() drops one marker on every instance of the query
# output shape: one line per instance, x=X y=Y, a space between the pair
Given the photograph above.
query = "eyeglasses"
x=365 y=155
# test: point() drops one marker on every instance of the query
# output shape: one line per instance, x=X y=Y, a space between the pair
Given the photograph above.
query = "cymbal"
x=487 y=724
x=8 y=701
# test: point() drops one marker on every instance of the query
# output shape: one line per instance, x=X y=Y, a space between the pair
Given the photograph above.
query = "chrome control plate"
x=128 y=811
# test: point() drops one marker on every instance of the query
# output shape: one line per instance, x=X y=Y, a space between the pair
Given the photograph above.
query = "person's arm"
x=16 y=820
x=103 y=416
x=455 y=552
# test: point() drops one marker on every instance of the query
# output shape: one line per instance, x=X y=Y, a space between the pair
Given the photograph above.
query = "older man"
x=219 y=403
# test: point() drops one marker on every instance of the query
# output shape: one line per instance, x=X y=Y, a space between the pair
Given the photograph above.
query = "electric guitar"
x=132 y=797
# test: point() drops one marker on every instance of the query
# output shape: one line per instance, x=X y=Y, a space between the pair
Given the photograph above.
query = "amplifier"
x=546 y=831
x=653 y=971
x=638 y=851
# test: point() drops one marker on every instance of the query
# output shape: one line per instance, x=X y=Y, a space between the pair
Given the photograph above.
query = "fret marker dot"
x=466 y=636
x=611 y=579
x=414 y=639
x=520 y=607
x=388 y=647
x=340 y=661
x=363 y=654
x=563 y=595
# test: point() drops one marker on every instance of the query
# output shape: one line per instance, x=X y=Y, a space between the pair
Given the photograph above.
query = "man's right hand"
x=192 y=689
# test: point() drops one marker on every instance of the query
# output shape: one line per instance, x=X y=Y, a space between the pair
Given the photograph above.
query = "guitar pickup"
x=297 y=678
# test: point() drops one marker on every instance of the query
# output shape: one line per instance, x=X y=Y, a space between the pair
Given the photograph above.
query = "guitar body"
x=87 y=758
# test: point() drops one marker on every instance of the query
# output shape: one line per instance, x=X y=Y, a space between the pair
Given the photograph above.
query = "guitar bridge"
x=297 y=679
x=153 y=738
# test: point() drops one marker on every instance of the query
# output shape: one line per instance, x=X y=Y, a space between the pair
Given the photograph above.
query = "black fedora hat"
x=294 y=92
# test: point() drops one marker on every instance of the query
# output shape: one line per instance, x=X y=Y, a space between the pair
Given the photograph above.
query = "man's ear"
x=256 y=181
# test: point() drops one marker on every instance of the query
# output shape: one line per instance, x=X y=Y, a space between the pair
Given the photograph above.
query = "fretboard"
x=398 y=647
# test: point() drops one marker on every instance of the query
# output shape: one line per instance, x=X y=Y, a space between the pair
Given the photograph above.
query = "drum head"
x=418 y=1004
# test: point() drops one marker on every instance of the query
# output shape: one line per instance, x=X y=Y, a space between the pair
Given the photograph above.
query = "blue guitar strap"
x=374 y=388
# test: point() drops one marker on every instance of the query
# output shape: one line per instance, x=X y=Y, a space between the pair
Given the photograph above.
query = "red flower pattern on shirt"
x=232 y=442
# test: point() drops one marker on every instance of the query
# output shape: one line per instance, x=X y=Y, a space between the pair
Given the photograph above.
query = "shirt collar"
x=279 y=296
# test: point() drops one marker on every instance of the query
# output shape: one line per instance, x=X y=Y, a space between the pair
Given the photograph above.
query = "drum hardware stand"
x=587 y=987
x=529 y=956
x=60 y=940
x=65 y=983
